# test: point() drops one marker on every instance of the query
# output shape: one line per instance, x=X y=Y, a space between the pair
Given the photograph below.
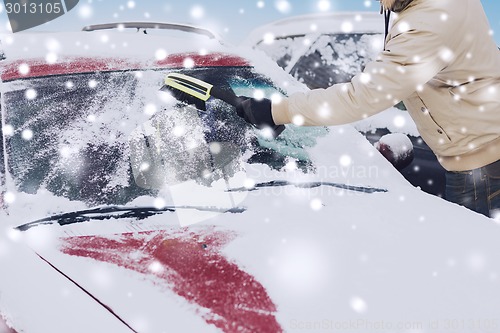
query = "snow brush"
x=202 y=91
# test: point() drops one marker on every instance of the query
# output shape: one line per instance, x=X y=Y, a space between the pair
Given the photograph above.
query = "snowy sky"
x=231 y=19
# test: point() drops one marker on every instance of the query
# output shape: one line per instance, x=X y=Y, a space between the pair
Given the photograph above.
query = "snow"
x=323 y=254
x=398 y=143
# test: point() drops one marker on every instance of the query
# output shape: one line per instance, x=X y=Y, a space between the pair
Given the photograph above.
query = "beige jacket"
x=442 y=62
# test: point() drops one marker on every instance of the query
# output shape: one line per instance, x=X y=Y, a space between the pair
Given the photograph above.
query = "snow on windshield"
x=71 y=134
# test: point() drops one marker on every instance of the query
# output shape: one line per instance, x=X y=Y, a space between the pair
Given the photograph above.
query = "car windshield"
x=71 y=134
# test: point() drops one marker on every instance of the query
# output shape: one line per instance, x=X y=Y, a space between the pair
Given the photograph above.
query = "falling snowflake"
x=156 y=267
x=347 y=27
x=150 y=109
x=358 y=304
x=215 y=148
x=24 y=69
x=283 y=6
x=131 y=4
x=8 y=130
x=291 y=165
x=260 y=4
x=160 y=54
x=159 y=203
x=179 y=131
x=85 y=11
x=188 y=63
x=30 y=94
x=345 y=161
x=268 y=38
x=51 y=58
x=399 y=121
x=298 y=120
x=9 y=197
x=92 y=84
x=316 y=204
x=197 y=12
x=249 y=183
x=27 y=134
x=259 y=94
x=324 y=5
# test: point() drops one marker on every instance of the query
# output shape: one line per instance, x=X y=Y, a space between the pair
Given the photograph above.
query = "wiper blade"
x=117 y=212
x=278 y=183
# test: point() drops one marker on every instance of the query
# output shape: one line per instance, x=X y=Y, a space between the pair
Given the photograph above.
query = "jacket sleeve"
x=411 y=59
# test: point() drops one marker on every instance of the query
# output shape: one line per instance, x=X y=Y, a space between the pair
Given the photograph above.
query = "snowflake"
x=283 y=6
x=150 y=109
x=197 y=12
x=358 y=304
x=27 y=134
x=85 y=11
x=8 y=130
x=24 y=69
x=30 y=94
x=259 y=94
x=9 y=197
x=159 y=203
x=188 y=63
x=347 y=27
x=160 y=54
x=51 y=58
x=345 y=160
x=316 y=204
x=324 y=5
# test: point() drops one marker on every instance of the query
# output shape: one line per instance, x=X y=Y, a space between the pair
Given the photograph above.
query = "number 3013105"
x=33 y=8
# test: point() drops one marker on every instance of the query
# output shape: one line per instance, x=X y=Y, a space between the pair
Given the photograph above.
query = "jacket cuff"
x=280 y=112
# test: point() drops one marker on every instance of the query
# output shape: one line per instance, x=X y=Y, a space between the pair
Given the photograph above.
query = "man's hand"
x=256 y=112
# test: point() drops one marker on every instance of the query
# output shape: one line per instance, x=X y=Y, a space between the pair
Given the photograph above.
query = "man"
x=441 y=61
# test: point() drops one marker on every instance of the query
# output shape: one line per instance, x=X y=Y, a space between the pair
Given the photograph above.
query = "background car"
x=313 y=227
x=324 y=49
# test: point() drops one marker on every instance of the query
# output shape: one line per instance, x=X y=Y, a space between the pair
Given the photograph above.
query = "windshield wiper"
x=117 y=212
x=278 y=183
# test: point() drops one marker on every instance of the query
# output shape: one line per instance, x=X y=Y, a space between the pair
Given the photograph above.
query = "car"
x=129 y=208
x=324 y=49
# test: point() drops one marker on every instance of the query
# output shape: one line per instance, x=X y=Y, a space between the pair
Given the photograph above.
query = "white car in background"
x=323 y=49
x=313 y=231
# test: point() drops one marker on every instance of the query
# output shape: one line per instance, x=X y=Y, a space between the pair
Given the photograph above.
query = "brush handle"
x=230 y=98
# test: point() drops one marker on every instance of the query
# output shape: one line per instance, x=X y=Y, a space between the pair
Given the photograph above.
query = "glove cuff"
x=280 y=112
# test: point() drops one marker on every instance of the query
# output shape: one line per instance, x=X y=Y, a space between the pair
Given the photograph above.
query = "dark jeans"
x=478 y=189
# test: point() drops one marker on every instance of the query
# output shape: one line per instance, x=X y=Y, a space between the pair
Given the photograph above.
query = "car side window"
x=336 y=58
x=283 y=50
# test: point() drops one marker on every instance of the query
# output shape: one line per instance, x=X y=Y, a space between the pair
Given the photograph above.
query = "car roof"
x=57 y=53
x=355 y=22
x=29 y=55
x=145 y=26
x=38 y=67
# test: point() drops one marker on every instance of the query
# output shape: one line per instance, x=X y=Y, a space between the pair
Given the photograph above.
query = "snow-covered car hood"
x=297 y=257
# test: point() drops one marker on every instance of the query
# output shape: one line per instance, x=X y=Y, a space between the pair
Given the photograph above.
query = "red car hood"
x=299 y=257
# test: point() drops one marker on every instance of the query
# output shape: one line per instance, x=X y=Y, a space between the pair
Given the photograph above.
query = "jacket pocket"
x=431 y=131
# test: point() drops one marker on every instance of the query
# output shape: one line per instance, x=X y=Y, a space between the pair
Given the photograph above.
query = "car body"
x=312 y=231
x=324 y=49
